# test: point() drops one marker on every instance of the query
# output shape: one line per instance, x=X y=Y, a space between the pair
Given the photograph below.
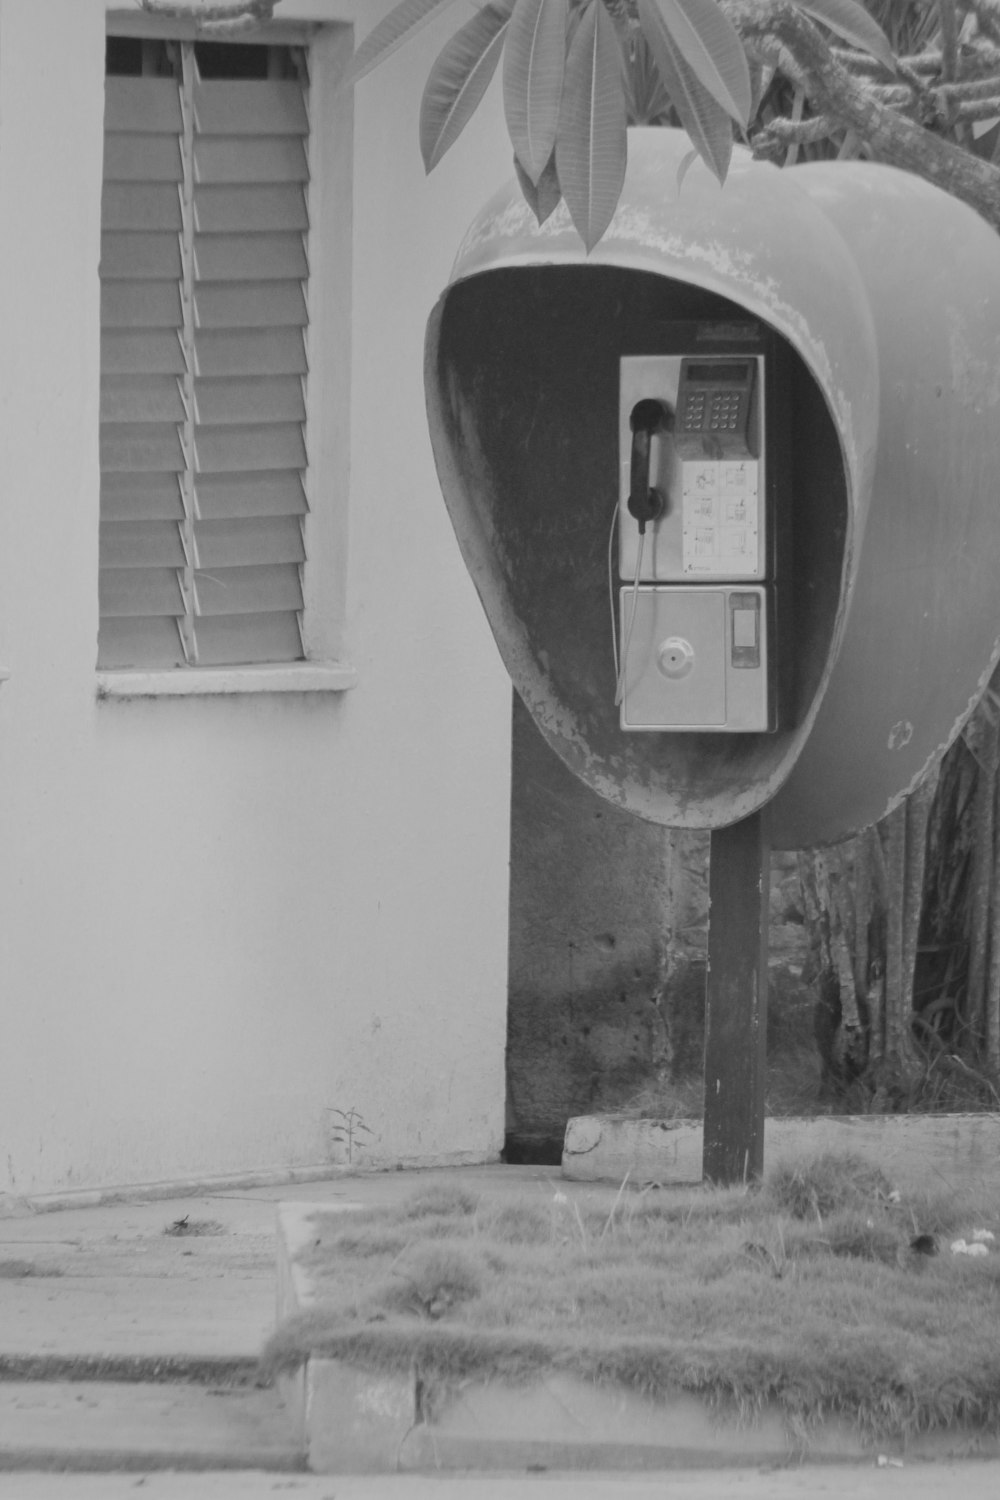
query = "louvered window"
x=203 y=359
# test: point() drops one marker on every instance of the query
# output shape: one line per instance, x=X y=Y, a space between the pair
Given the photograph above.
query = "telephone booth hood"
x=883 y=295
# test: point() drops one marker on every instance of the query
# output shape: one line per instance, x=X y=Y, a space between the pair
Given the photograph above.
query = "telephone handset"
x=646 y=502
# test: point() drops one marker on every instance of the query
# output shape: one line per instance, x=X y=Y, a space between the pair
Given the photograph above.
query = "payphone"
x=696 y=628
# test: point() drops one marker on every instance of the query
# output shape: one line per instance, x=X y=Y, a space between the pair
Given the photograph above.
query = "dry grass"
x=807 y=1292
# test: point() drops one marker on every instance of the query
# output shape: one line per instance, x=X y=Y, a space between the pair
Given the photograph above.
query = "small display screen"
x=720 y=374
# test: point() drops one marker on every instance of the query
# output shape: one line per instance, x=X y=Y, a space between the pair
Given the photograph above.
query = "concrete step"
x=912 y=1150
x=113 y=1425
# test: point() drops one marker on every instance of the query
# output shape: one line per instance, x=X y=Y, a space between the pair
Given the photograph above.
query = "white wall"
x=222 y=917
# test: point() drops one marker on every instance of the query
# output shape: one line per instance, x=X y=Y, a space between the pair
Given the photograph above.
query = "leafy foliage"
x=459 y=79
x=705 y=40
x=576 y=72
x=701 y=113
x=534 y=65
x=855 y=25
x=590 y=141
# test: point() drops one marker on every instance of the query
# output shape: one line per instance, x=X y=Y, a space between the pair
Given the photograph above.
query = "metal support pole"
x=736 y=1002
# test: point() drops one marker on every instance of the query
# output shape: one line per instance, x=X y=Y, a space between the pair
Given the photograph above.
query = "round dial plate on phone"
x=675 y=657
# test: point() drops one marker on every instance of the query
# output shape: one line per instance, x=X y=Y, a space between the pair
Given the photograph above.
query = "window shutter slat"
x=276 y=158
x=223 y=497
x=142 y=158
x=141 y=206
x=140 y=591
x=278 y=399
x=141 y=497
x=225 y=450
x=139 y=642
x=141 y=304
x=238 y=455
x=250 y=304
x=141 y=398
x=246 y=543
x=143 y=106
x=140 y=257
x=154 y=351
x=250 y=208
x=249 y=107
x=250 y=351
x=248 y=590
x=141 y=544
x=228 y=639
x=141 y=448
x=257 y=257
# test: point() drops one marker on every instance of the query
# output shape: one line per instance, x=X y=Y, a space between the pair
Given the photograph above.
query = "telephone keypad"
x=714 y=403
x=719 y=411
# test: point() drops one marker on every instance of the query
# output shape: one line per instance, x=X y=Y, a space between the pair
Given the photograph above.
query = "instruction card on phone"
x=719 y=503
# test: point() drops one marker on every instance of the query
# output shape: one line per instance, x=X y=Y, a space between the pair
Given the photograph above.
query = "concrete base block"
x=355 y=1422
x=359 y=1423
x=914 y=1151
x=561 y=1422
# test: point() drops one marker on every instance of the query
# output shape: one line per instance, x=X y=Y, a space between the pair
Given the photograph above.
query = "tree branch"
x=892 y=137
x=949 y=39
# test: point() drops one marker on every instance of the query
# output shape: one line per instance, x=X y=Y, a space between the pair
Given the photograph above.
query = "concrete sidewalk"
x=186 y=1278
x=130 y=1331
x=175 y=1297
x=840 y=1482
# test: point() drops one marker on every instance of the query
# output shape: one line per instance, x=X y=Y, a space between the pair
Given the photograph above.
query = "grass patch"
x=823 y=1291
x=825 y=1184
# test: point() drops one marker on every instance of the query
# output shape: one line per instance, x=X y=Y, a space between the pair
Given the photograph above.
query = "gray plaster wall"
x=595 y=897
x=608 y=935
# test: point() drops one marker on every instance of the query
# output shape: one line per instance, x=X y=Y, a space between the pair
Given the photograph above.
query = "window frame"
x=327 y=420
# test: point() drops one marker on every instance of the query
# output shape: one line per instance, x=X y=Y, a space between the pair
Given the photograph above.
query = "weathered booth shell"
x=882 y=295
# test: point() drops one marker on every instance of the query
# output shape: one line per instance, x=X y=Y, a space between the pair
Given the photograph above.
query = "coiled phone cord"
x=621 y=662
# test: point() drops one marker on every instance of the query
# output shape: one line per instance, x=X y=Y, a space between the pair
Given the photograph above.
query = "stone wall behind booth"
x=608 y=938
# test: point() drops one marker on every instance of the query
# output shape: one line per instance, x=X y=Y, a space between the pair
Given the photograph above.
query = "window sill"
x=186 y=682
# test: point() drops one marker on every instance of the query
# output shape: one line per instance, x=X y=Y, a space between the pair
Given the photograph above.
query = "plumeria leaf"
x=590 y=139
x=402 y=22
x=687 y=162
x=708 y=42
x=460 y=78
x=646 y=97
x=852 y=22
x=544 y=196
x=706 y=122
x=533 y=64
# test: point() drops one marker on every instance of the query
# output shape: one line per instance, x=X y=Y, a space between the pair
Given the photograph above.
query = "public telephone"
x=696 y=599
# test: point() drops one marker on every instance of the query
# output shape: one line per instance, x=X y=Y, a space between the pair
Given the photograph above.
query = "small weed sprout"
x=562 y=1206
x=775 y=1258
x=614 y=1207
x=346 y=1133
